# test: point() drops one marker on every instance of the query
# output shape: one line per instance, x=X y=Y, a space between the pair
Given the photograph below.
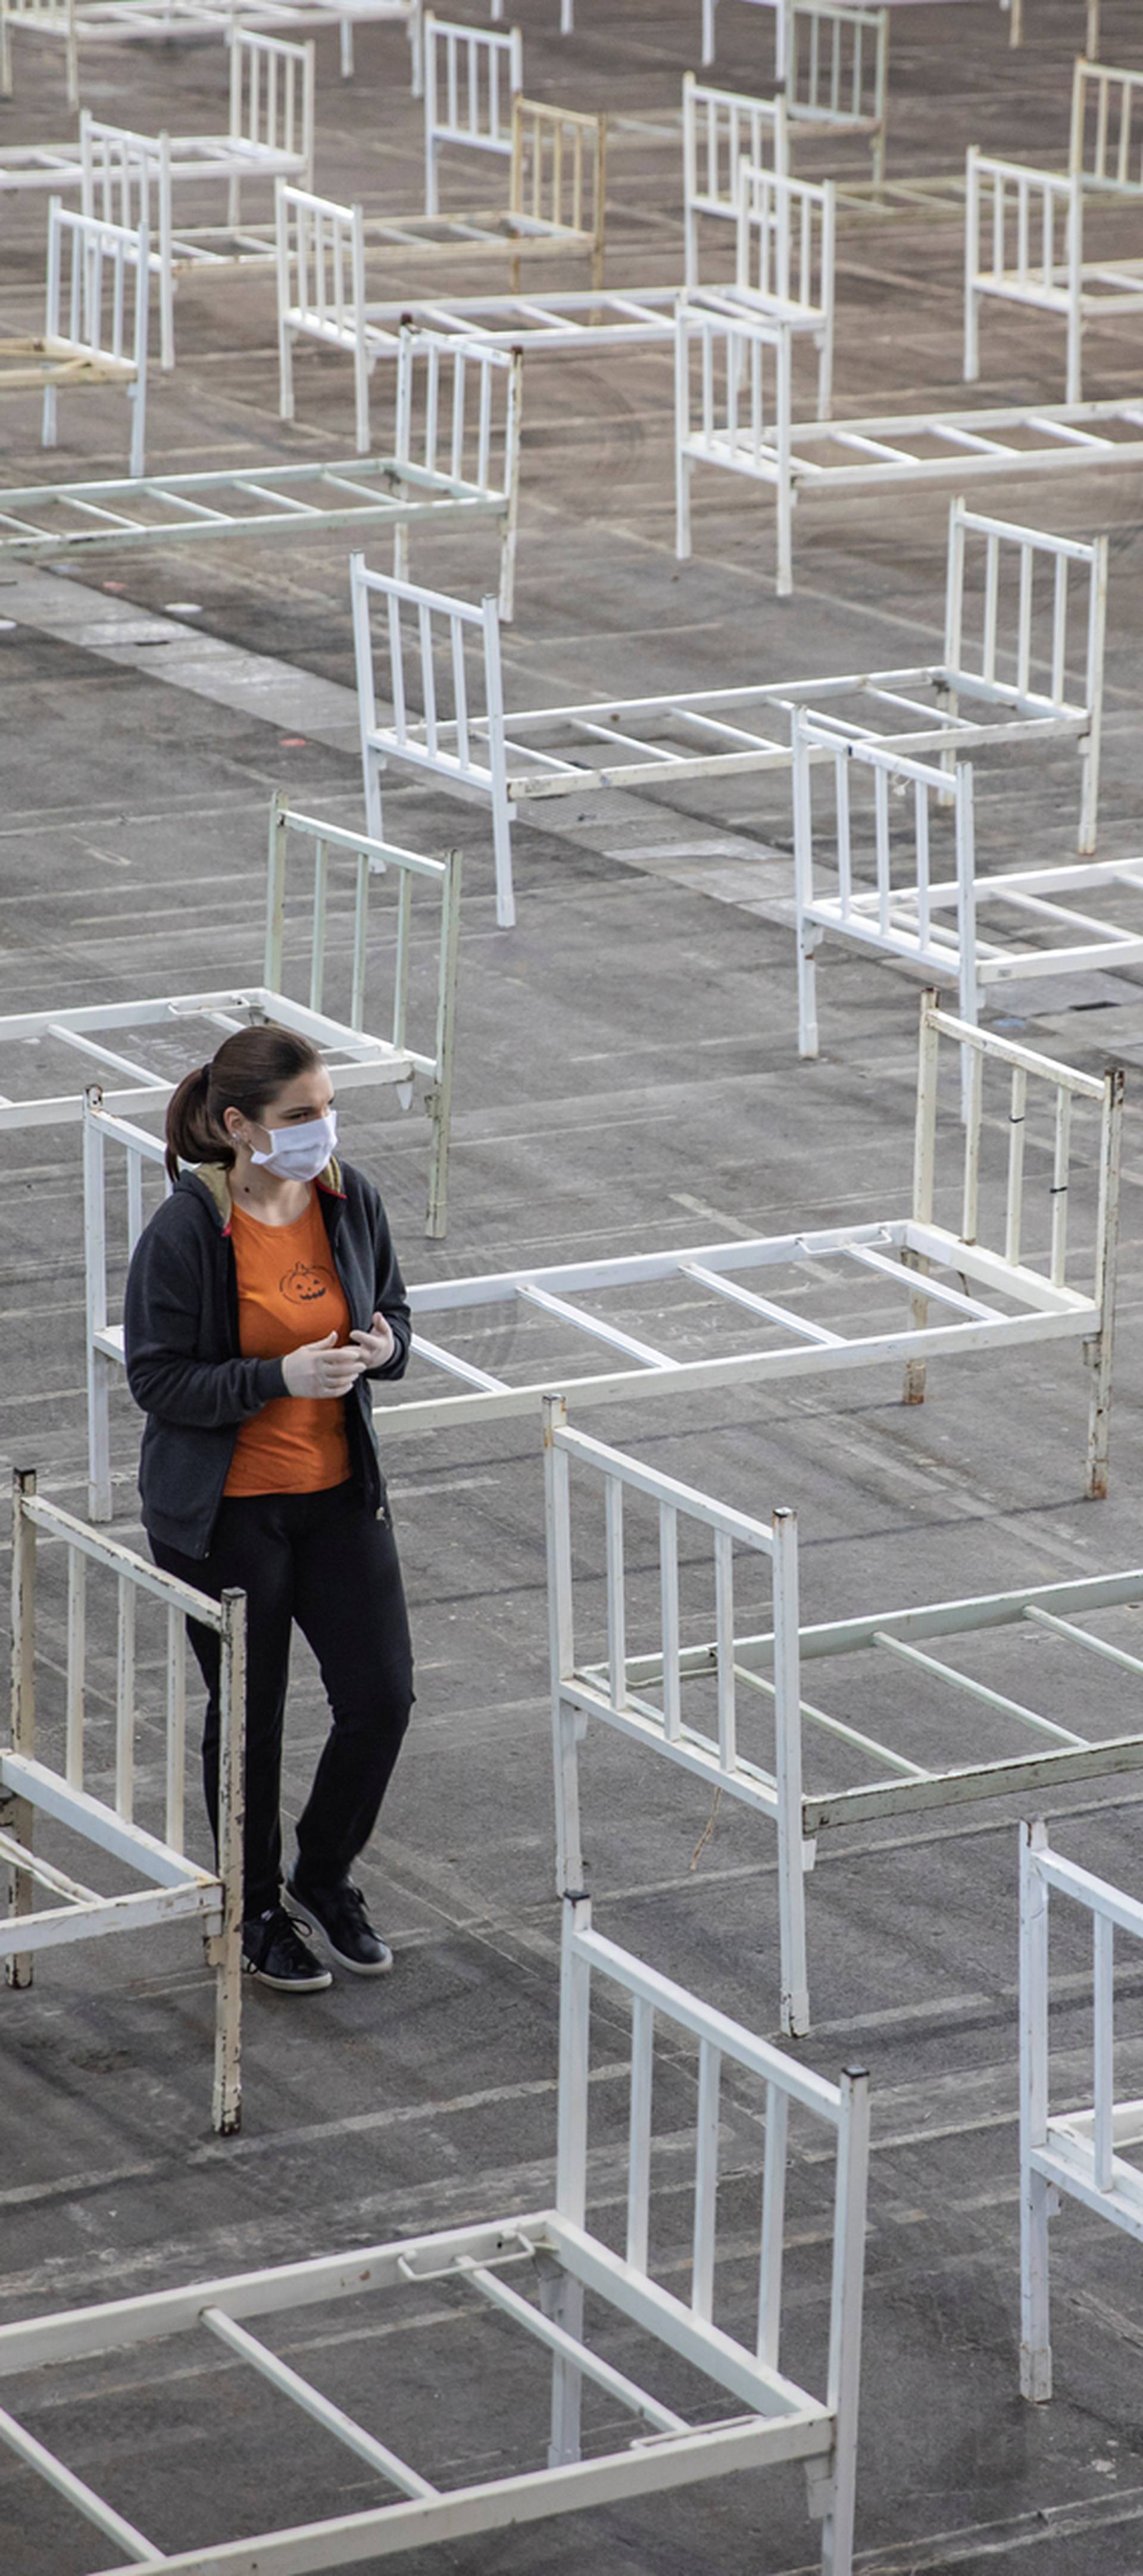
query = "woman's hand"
x=377 y=1345
x=320 y=1368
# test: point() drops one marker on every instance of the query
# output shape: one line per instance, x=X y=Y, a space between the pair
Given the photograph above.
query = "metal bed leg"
x=1100 y=1351
x=18 y=1970
x=225 y=1951
x=1035 y=2191
x=440 y=1097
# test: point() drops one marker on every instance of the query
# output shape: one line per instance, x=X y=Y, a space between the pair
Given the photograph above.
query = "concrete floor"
x=626 y=1078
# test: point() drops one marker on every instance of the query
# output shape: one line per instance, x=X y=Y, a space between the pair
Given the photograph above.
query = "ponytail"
x=245 y=1074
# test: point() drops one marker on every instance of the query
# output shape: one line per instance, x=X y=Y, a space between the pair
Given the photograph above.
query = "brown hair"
x=246 y=1072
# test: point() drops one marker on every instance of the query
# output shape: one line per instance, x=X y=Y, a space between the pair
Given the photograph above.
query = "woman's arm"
x=161 y=1324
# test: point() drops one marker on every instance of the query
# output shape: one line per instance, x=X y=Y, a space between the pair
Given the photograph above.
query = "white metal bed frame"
x=1075 y=2154
x=129 y=178
x=176 y=1889
x=95 y=324
x=1033 y=220
x=353 y=493
x=1013 y=677
x=73 y=23
x=909 y=1250
x=888 y=899
x=733 y=409
x=580 y=1692
x=831 y=63
x=722 y=129
x=556 y=156
x=836 y=73
x=1105 y=146
x=473 y=77
x=456 y=457
x=323 y=251
x=353 y=1058
x=773 y=2419
x=648 y=1698
x=785 y=260
x=257 y=130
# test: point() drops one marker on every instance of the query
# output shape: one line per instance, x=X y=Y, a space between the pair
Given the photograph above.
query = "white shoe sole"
x=290 y=1985
x=354 y=1967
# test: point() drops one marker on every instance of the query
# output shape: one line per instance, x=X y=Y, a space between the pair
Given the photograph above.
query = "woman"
x=262 y=1297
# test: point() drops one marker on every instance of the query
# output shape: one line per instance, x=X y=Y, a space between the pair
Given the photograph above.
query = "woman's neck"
x=267 y=1195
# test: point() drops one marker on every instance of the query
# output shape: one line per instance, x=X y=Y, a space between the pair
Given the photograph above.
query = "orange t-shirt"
x=288 y=1293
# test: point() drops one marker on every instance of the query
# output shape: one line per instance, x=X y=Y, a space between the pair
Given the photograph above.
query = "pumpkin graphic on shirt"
x=304 y=1286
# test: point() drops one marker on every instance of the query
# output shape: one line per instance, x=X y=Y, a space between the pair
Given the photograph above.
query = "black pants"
x=326 y=1561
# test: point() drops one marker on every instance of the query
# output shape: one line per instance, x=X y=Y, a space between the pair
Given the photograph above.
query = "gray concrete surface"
x=626 y=1077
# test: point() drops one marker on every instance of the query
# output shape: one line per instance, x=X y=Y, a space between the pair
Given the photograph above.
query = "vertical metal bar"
x=134 y=1197
x=924 y=1167
x=793 y=1853
x=226 y=1956
x=1103 y=2069
x=125 y=1700
x=724 y=1648
x=76 y=1662
x=616 y=1592
x=175 y=1826
x=706 y=2181
x=428 y=675
x=972 y=1119
x=921 y=834
x=965 y=829
x=669 y=1594
x=361 y=947
x=401 y=958
x=575 y=2013
x=18 y=1969
x=954 y=587
x=1090 y=748
x=846 y=2300
x=440 y=1098
x=1035 y=2332
x=991 y=587
x=561 y=1646
x=884 y=856
x=1060 y=1162
x=563 y=2299
x=319 y=924
x=639 y=2141
x=396 y=664
x=1059 y=629
x=1102 y=1347
x=1017 y=1127
x=276 y=890
x=1024 y=627
x=459 y=692
x=95 y=1310
x=773 y=2226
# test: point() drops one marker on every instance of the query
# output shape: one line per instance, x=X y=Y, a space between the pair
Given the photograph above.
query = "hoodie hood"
x=214 y=1179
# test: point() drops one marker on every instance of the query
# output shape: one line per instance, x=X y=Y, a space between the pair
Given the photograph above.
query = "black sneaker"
x=274 y=1952
x=339 y=1912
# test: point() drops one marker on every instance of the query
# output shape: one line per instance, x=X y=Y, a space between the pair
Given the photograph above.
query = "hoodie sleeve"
x=389 y=1297
x=162 y=1323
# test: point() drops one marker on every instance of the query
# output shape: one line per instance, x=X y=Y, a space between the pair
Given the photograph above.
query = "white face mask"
x=299 y=1153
